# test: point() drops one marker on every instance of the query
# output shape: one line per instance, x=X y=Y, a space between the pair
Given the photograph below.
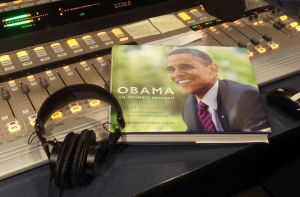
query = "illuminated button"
x=32 y=120
x=75 y=107
x=103 y=36
x=273 y=45
x=237 y=22
x=213 y=29
x=117 y=32
x=13 y=126
x=68 y=70
x=56 y=115
x=73 y=44
x=23 y=56
x=283 y=17
x=260 y=49
x=5 y=60
x=298 y=28
x=250 y=54
x=57 y=48
x=184 y=16
x=30 y=78
x=3 y=5
x=123 y=39
x=40 y=51
x=50 y=75
x=225 y=25
x=196 y=13
x=12 y=84
x=17 y=2
x=294 y=24
x=94 y=103
x=88 y=40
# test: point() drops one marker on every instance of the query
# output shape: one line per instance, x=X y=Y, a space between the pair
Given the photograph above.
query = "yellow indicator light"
x=260 y=49
x=99 y=59
x=4 y=58
x=283 y=17
x=17 y=2
x=184 y=16
x=3 y=5
x=294 y=24
x=123 y=39
x=67 y=68
x=237 y=22
x=48 y=72
x=22 y=54
x=12 y=82
x=32 y=122
x=225 y=25
x=94 y=103
x=39 y=48
x=298 y=28
x=193 y=10
x=13 y=127
x=75 y=108
x=55 y=44
x=30 y=78
x=273 y=45
x=101 y=33
x=213 y=29
x=72 y=43
x=56 y=115
x=250 y=54
x=260 y=22
x=117 y=31
x=83 y=63
x=86 y=37
x=255 y=23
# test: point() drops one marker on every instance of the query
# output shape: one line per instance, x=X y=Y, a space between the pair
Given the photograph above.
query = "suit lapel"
x=221 y=108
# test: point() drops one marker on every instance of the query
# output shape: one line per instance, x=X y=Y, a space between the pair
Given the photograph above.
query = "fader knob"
x=255 y=41
x=25 y=88
x=242 y=44
x=267 y=37
x=44 y=83
x=277 y=26
x=5 y=94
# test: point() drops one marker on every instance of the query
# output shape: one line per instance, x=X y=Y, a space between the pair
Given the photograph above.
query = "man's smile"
x=185 y=81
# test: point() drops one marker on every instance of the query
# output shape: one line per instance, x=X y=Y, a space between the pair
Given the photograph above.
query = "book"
x=161 y=87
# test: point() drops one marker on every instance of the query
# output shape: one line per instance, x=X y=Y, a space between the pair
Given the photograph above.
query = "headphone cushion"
x=86 y=140
x=62 y=168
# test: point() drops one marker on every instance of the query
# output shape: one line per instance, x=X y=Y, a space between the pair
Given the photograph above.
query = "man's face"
x=191 y=73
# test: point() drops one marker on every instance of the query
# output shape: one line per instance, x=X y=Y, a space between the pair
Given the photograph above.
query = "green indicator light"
x=18 y=23
x=17 y=17
x=82 y=14
x=218 y=20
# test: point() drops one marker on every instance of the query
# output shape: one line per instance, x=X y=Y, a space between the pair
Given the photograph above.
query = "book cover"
x=191 y=93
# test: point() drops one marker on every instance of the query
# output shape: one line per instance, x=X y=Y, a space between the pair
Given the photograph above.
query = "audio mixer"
x=36 y=60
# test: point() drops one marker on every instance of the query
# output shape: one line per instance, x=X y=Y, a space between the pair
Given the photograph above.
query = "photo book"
x=187 y=94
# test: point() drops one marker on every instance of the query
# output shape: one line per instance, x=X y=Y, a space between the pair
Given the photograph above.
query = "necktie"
x=205 y=118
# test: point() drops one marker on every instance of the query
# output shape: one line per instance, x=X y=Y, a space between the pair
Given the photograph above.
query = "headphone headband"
x=70 y=94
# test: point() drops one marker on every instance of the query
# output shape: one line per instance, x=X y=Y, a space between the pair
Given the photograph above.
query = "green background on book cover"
x=150 y=101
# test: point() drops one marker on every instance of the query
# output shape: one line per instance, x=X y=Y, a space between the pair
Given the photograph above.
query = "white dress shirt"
x=210 y=99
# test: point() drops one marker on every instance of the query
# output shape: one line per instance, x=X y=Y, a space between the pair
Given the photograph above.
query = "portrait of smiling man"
x=214 y=105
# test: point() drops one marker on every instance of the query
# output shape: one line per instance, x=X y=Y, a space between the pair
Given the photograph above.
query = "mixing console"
x=30 y=74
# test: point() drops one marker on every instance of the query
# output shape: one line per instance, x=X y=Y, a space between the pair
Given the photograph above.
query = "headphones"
x=75 y=160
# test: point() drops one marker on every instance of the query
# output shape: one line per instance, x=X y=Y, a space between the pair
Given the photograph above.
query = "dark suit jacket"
x=239 y=109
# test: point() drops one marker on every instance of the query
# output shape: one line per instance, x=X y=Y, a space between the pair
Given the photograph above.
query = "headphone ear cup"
x=86 y=140
x=96 y=156
x=64 y=160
